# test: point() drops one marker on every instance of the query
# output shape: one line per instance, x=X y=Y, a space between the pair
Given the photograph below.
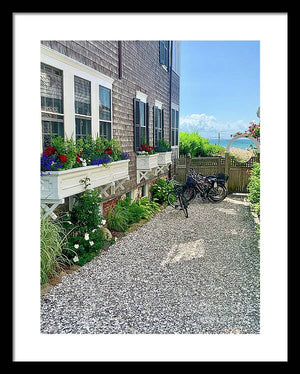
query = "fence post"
x=187 y=164
x=219 y=164
x=227 y=164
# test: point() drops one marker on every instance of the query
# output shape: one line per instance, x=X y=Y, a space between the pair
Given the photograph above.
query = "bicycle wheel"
x=189 y=193
x=173 y=200
x=217 y=194
x=183 y=205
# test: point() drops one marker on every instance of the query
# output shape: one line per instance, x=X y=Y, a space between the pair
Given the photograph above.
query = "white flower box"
x=146 y=162
x=164 y=158
x=57 y=185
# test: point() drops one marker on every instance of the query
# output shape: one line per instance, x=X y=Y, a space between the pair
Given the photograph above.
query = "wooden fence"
x=238 y=177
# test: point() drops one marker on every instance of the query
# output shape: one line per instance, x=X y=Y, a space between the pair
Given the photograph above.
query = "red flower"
x=78 y=159
x=144 y=145
x=108 y=151
x=147 y=149
x=49 y=151
x=63 y=158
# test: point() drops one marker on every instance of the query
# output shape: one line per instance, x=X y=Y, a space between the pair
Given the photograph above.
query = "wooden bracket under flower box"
x=56 y=185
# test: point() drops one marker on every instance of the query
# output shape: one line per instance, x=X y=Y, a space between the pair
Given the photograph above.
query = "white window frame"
x=70 y=68
x=111 y=112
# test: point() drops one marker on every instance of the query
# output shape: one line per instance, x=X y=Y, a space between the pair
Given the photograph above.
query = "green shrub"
x=159 y=191
x=53 y=242
x=117 y=219
x=254 y=188
x=149 y=207
x=85 y=239
x=127 y=212
x=85 y=212
x=197 y=146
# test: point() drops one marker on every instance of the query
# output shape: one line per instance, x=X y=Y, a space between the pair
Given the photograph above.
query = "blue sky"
x=219 y=86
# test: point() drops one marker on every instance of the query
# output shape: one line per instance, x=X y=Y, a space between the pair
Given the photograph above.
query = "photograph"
x=150 y=187
x=148 y=221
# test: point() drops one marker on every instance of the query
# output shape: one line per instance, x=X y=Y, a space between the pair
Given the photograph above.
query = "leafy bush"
x=197 y=146
x=84 y=222
x=127 y=212
x=159 y=191
x=53 y=242
x=85 y=212
x=149 y=207
x=163 y=146
x=254 y=187
x=117 y=219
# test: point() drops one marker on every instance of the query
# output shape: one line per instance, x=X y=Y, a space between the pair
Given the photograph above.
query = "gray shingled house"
x=125 y=90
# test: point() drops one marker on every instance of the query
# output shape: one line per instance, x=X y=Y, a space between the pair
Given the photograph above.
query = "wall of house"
x=141 y=71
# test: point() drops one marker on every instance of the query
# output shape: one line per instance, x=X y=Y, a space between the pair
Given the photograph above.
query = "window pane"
x=83 y=127
x=82 y=91
x=105 y=130
x=142 y=135
x=177 y=119
x=104 y=103
x=173 y=118
x=142 y=113
x=51 y=124
x=51 y=89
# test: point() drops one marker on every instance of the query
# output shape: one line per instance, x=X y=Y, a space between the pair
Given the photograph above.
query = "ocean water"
x=239 y=143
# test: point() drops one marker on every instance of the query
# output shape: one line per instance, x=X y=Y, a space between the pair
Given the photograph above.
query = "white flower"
x=84 y=163
x=103 y=222
x=91 y=243
x=76 y=259
x=86 y=236
x=94 y=230
x=76 y=246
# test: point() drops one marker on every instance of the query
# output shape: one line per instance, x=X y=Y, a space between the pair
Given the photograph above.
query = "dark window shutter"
x=163 y=123
x=136 y=123
x=167 y=55
x=155 y=134
x=147 y=123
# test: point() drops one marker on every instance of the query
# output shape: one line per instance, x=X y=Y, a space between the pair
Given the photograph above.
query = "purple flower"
x=100 y=160
x=125 y=156
x=47 y=162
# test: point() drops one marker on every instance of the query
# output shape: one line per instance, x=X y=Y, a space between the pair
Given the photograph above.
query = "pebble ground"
x=173 y=275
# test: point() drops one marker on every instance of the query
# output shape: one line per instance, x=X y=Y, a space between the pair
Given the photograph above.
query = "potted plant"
x=67 y=167
x=146 y=158
x=164 y=152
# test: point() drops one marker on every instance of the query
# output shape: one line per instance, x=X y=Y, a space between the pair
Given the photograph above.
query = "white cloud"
x=208 y=126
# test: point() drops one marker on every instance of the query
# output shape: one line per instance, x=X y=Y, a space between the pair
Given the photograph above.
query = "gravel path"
x=196 y=275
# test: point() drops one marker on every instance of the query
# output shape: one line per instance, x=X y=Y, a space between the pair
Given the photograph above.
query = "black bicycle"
x=210 y=188
x=176 y=198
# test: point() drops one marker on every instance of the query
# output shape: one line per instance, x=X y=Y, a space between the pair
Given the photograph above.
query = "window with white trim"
x=51 y=103
x=70 y=106
x=82 y=99
x=141 y=123
x=105 y=112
